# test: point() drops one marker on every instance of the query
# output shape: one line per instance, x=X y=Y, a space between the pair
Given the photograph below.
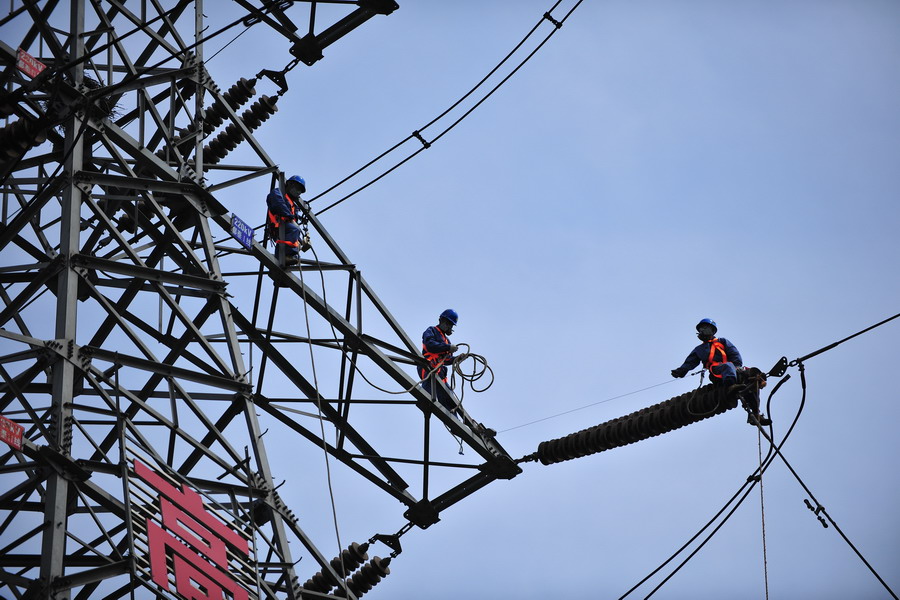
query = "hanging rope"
x=312 y=358
x=762 y=512
x=737 y=499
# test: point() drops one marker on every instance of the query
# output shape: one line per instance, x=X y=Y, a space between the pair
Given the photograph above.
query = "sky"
x=655 y=163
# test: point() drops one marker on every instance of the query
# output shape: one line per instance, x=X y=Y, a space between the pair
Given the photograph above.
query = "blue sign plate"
x=242 y=232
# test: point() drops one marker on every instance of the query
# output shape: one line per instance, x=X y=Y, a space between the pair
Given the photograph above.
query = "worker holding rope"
x=438 y=351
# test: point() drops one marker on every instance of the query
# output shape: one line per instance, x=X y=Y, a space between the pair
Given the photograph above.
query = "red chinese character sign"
x=185 y=540
x=11 y=432
x=28 y=64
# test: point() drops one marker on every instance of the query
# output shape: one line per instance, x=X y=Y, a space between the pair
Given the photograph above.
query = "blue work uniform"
x=436 y=350
x=718 y=355
x=283 y=211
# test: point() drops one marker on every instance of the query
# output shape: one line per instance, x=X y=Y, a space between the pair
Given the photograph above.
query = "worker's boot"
x=484 y=431
x=758 y=419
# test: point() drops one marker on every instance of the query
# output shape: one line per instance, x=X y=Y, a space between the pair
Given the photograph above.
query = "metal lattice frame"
x=136 y=330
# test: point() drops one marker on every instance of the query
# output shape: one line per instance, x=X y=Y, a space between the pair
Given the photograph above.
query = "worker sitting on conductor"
x=718 y=355
x=724 y=362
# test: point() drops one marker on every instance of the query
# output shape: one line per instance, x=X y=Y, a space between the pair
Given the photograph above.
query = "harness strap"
x=715 y=346
x=434 y=359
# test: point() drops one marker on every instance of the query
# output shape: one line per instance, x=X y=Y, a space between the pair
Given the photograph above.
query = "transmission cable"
x=744 y=489
x=819 y=508
x=802 y=359
x=437 y=118
x=565 y=412
x=418 y=133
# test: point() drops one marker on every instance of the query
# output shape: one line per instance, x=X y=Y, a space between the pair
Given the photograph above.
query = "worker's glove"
x=677 y=373
x=453 y=348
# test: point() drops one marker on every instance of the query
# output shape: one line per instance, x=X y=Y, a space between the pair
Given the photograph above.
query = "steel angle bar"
x=31 y=210
x=41 y=25
x=362 y=284
x=307 y=388
x=46 y=274
x=191 y=325
x=256 y=172
x=8 y=499
x=149 y=288
x=29 y=560
x=214 y=434
x=138 y=404
x=170 y=237
x=94 y=575
x=123 y=318
x=22 y=355
x=164 y=370
x=148 y=274
x=352 y=21
x=142 y=82
x=144 y=158
x=158 y=38
x=342 y=455
x=464 y=489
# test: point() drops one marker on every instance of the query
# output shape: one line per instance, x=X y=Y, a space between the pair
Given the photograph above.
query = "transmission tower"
x=156 y=360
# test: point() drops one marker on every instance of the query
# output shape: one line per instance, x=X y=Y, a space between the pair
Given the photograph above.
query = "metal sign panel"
x=241 y=232
x=186 y=543
x=11 y=432
x=28 y=64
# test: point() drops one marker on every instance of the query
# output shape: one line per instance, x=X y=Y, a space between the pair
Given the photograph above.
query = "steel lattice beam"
x=144 y=376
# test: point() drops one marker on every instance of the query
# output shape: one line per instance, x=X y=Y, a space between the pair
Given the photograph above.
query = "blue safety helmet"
x=450 y=315
x=298 y=181
x=709 y=322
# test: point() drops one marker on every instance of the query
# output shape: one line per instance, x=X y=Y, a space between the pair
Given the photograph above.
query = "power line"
x=798 y=361
x=745 y=489
x=565 y=412
x=417 y=134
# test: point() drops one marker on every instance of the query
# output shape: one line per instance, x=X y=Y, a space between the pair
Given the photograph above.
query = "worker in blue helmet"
x=438 y=352
x=284 y=211
x=718 y=355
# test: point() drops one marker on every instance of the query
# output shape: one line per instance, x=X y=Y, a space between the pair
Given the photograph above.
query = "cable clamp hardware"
x=419 y=137
x=556 y=23
x=818 y=509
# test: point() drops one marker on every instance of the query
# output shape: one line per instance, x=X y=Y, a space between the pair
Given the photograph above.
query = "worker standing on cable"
x=284 y=210
x=438 y=351
x=718 y=355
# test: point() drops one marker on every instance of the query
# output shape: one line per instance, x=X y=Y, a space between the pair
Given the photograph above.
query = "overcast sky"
x=654 y=164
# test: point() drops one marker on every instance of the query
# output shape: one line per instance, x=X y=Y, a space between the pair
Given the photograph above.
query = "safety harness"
x=434 y=359
x=275 y=222
x=715 y=347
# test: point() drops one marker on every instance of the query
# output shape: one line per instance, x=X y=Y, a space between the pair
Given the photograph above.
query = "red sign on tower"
x=194 y=540
x=11 y=432
x=29 y=64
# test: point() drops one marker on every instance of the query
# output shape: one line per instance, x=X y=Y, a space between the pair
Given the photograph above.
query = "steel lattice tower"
x=145 y=356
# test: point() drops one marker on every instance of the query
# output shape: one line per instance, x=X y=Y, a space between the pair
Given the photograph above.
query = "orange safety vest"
x=715 y=347
x=434 y=359
x=276 y=220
